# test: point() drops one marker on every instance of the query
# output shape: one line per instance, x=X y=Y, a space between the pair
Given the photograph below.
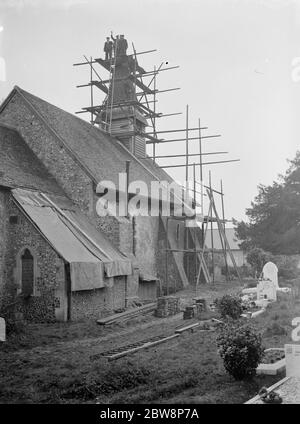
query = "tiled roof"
x=102 y=155
x=19 y=167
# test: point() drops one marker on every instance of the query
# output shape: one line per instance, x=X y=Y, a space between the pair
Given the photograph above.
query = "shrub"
x=257 y=257
x=241 y=350
x=287 y=266
x=229 y=306
x=246 y=271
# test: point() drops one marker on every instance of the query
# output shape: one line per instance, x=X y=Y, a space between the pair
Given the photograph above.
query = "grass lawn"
x=54 y=364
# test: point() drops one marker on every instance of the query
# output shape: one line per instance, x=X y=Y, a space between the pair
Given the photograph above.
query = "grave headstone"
x=270 y=272
x=266 y=290
x=2 y=330
x=292 y=360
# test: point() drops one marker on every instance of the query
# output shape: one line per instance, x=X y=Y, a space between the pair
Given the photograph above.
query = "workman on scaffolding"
x=108 y=48
x=115 y=43
x=120 y=45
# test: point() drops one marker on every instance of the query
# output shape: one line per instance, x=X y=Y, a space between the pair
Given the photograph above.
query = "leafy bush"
x=246 y=271
x=241 y=350
x=287 y=266
x=257 y=258
x=229 y=306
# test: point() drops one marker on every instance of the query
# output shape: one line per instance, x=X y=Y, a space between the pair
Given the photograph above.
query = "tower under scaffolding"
x=129 y=112
x=130 y=99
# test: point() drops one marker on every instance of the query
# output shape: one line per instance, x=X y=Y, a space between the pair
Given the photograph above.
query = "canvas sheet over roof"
x=115 y=263
x=90 y=255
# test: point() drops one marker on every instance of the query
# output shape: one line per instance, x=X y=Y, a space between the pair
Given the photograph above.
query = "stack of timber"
x=167 y=306
x=127 y=315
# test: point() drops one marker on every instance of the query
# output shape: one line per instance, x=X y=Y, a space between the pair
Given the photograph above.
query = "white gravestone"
x=292 y=351
x=2 y=330
x=266 y=290
x=270 y=272
x=292 y=360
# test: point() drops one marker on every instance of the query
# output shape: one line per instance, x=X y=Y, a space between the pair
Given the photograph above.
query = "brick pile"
x=167 y=306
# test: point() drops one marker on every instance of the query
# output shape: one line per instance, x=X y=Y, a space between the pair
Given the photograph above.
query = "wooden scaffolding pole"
x=212 y=237
x=221 y=231
x=202 y=264
x=224 y=226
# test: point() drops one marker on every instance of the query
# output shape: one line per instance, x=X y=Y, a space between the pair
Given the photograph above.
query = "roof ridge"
x=29 y=100
x=93 y=128
x=8 y=98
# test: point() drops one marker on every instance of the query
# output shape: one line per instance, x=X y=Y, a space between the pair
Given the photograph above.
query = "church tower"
x=121 y=114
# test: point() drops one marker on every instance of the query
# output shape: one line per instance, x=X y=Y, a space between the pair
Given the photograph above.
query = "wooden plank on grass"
x=186 y=328
x=135 y=311
x=144 y=346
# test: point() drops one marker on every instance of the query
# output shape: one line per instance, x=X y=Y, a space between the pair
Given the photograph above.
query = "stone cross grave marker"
x=270 y=272
x=2 y=330
x=266 y=290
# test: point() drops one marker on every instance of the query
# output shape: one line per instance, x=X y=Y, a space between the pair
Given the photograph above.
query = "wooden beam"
x=190 y=154
x=144 y=346
x=178 y=130
x=190 y=138
x=205 y=163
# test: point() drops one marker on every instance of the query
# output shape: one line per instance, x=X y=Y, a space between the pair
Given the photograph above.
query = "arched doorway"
x=27 y=273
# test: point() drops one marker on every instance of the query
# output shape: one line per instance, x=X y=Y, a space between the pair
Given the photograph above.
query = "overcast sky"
x=236 y=72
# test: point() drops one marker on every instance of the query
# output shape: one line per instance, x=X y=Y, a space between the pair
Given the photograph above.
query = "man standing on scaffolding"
x=116 y=44
x=108 y=48
x=120 y=45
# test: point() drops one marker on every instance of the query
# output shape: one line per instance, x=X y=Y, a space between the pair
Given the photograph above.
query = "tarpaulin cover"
x=67 y=234
x=85 y=275
x=115 y=263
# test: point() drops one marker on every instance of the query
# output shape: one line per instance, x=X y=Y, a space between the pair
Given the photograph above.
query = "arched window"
x=27 y=273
